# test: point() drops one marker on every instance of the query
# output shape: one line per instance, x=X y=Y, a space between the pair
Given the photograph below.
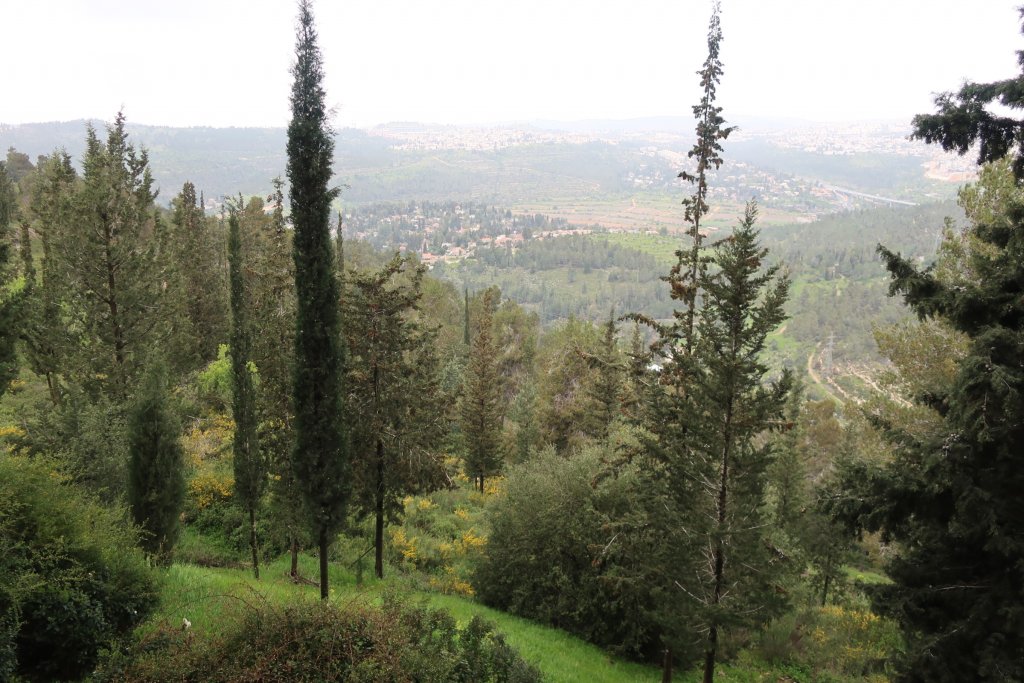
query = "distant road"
x=875 y=197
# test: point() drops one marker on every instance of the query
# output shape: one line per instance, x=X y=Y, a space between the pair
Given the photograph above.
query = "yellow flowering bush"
x=441 y=534
x=854 y=641
x=209 y=438
x=449 y=583
x=8 y=433
x=209 y=487
x=835 y=643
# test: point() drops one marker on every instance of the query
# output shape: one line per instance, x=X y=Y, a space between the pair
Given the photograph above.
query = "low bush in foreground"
x=71 y=577
x=311 y=641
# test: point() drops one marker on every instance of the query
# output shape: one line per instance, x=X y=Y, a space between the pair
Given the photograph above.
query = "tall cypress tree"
x=249 y=465
x=8 y=327
x=321 y=457
x=156 y=480
x=707 y=466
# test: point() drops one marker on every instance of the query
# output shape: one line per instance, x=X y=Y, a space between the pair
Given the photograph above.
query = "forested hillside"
x=566 y=403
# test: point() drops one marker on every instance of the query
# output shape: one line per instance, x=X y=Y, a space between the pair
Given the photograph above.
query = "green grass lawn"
x=211 y=597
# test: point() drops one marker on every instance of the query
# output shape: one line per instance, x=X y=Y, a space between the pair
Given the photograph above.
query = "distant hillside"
x=569 y=169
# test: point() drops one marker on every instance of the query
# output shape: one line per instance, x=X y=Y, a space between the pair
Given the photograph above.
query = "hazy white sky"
x=226 y=62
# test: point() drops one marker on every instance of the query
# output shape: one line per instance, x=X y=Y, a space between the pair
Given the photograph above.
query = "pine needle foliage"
x=965 y=122
x=951 y=499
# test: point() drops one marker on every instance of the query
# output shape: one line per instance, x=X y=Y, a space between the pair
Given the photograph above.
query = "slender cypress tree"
x=108 y=258
x=156 y=480
x=8 y=328
x=249 y=464
x=707 y=466
x=321 y=458
x=466 y=338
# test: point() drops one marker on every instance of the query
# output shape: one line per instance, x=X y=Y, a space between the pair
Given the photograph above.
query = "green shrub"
x=834 y=643
x=312 y=641
x=71 y=576
x=545 y=556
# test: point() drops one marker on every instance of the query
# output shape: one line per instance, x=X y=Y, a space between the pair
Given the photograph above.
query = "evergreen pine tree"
x=725 y=406
x=156 y=480
x=393 y=391
x=964 y=121
x=951 y=497
x=481 y=400
x=606 y=392
x=109 y=260
x=249 y=465
x=320 y=461
x=198 y=280
x=48 y=336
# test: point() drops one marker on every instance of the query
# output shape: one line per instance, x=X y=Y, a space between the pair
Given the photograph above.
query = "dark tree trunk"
x=295 y=557
x=324 y=579
x=719 y=550
x=828 y=577
x=252 y=543
x=378 y=537
x=666 y=666
x=51 y=384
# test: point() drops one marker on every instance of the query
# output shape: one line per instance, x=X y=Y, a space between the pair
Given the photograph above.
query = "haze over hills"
x=794 y=168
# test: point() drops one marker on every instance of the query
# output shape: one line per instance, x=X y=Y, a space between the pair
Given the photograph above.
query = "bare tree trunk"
x=666 y=666
x=295 y=556
x=324 y=579
x=719 y=549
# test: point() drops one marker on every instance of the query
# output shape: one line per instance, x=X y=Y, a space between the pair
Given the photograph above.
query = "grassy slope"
x=207 y=597
x=210 y=597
